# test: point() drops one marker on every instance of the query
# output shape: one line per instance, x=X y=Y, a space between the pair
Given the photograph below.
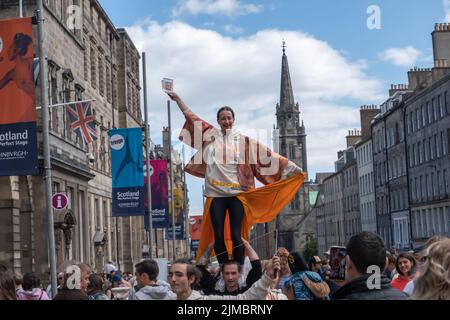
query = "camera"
x=90 y=157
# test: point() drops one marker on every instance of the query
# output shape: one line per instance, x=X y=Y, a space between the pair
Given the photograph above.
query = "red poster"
x=195 y=223
x=16 y=72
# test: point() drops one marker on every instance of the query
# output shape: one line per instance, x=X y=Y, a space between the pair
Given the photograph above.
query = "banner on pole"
x=127 y=172
x=159 y=177
x=18 y=139
x=195 y=227
x=179 y=232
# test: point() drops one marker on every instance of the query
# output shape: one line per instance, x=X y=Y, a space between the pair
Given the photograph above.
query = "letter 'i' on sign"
x=374 y=20
x=58 y=202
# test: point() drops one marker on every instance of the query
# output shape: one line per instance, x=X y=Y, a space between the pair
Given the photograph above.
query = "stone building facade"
x=364 y=159
x=427 y=126
x=90 y=59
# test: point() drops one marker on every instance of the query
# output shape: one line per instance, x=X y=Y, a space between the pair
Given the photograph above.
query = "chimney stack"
x=353 y=137
x=397 y=87
x=367 y=113
x=419 y=78
x=441 y=40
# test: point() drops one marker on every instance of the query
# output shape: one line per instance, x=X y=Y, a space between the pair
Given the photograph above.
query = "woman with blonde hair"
x=434 y=282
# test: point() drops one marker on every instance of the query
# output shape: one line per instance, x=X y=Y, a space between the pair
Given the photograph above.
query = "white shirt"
x=221 y=158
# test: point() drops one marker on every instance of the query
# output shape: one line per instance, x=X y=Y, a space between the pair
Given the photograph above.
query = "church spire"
x=286 y=93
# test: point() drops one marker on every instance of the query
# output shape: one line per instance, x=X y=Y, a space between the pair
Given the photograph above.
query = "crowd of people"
x=421 y=275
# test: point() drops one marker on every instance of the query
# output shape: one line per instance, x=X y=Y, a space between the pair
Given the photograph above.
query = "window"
x=408 y=124
x=397 y=133
x=426 y=150
x=97 y=215
x=422 y=108
x=430 y=142
x=443 y=144
x=416 y=156
x=430 y=112
x=435 y=110
x=86 y=64
x=422 y=189
x=447 y=108
x=56 y=187
x=93 y=68
x=101 y=75
x=441 y=107
x=442 y=221
x=417 y=188
x=108 y=84
x=417 y=118
x=445 y=182
x=448 y=140
x=428 y=186
x=414 y=121
x=420 y=151
x=53 y=69
x=67 y=87
x=437 y=146
x=433 y=185
x=292 y=151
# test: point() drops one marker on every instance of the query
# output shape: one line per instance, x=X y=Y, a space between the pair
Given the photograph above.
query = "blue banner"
x=127 y=172
x=179 y=232
x=18 y=149
x=194 y=245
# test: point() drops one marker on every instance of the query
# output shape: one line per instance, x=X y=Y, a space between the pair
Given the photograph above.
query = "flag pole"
x=147 y=156
x=186 y=211
x=65 y=104
x=21 y=8
x=171 y=181
x=46 y=146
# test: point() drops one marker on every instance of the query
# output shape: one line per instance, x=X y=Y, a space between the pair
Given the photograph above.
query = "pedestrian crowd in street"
x=421 y=275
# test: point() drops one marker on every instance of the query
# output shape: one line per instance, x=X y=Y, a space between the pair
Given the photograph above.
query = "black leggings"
x=218 y=211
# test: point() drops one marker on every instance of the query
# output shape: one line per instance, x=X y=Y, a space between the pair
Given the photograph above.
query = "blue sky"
x=228 y=52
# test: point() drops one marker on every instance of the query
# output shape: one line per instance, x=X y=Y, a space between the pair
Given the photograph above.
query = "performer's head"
x=19 y=46
x=225 y=118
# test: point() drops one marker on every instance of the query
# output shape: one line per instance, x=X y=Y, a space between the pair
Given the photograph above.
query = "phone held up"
x=337 y=262
x=167 y=85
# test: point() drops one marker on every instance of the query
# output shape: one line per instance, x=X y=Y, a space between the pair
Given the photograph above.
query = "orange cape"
x=261 y=205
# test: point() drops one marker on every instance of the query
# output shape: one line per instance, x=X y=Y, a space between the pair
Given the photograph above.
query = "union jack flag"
x=82 y=121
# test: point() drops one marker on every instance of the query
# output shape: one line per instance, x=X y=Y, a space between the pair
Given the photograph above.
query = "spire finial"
x=284 y=46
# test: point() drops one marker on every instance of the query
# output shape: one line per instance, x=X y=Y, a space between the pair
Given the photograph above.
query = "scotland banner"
x=179 y=232
x=127 y=172
x=18 y=139
x=159 y=179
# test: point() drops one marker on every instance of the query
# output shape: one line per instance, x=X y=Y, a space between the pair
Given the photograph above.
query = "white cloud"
x=446 y=9
x=403 y=57
x=212 y=70
x=233 y=30
x=212 y=7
